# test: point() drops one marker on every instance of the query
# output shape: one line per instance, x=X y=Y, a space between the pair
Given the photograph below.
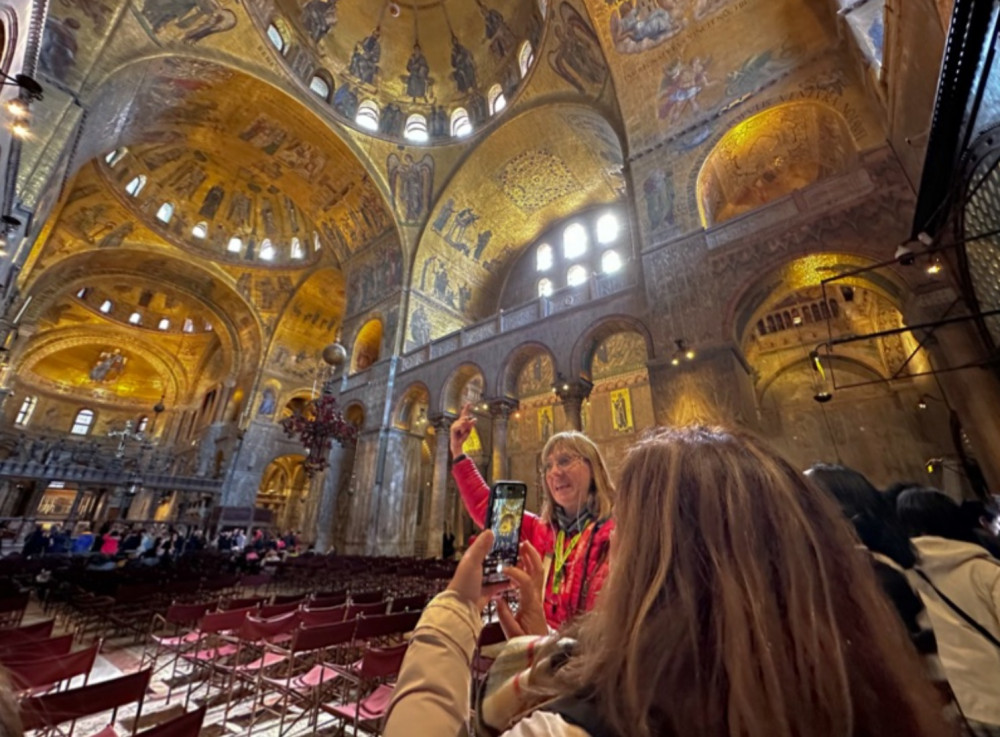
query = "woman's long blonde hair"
x=601 y=496
x=738 y=605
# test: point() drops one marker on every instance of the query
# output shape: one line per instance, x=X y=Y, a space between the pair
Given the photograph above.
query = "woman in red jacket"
x=573 y=531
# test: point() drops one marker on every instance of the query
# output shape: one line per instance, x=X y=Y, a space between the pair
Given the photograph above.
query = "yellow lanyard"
x=561 y=556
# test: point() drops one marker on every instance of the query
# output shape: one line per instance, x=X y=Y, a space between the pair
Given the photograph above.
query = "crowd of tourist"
x=116 y=542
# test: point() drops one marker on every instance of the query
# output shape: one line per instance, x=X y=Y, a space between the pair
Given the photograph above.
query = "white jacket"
x=970 y=577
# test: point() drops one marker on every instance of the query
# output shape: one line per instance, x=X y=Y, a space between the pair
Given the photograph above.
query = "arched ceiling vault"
x=543 y=165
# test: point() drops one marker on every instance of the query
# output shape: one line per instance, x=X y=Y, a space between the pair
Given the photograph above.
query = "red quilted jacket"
x=586 y=568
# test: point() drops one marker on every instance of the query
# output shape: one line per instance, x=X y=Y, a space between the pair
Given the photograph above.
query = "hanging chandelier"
x=321 y=422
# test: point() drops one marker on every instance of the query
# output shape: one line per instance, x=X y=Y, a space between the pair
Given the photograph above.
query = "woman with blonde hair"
x=737 y=605
x=573 y=531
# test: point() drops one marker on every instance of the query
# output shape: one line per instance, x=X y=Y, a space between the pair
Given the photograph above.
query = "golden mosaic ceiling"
x=236 y=134
x=425 y=57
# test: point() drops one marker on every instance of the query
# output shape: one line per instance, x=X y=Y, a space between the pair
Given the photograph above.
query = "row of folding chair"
x=236 y=653
x=49 y=713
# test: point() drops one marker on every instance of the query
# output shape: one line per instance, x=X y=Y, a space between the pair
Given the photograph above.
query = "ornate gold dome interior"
x=452 y=63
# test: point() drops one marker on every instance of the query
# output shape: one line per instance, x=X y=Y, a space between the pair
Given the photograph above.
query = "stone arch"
x=581 y=361
x=801 y=271
x=771 y=154
x=519 y=358
x=411 y=409
x=461 y=386
x=242 y=337
x=367 y=346
x=551 y=161
x=356 y=413
x=176 y=391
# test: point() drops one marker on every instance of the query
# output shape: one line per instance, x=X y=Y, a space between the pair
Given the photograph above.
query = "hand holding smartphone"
x=505 y=514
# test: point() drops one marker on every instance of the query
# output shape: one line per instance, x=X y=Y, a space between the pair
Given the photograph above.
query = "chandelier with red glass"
x=320 y=423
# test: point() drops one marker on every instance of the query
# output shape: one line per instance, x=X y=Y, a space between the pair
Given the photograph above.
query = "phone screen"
x=506 y=512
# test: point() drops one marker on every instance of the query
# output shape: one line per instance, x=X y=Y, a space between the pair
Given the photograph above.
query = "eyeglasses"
x=561 y=463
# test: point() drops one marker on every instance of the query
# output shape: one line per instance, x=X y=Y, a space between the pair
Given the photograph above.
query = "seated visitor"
x=736 y=604
x=959 y=582
x=83 y=541
x=575 y=526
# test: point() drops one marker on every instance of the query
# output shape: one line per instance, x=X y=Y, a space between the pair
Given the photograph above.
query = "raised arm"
x=471 y=485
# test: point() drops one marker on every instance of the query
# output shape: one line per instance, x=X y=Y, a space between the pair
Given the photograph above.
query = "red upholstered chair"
x=33 y=649
x=186 y=725
x=36 y=631
x=45 y=713
x=371 y=688
x=310 y=664
x=39 y=675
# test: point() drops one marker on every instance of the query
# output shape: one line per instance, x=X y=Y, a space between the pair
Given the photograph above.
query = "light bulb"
x=20 y=130
x=17 y=108
x=689 y=354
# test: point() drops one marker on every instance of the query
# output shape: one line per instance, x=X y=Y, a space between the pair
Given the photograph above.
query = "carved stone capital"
x=573 y=391
x=502 y=408
x=441 y=422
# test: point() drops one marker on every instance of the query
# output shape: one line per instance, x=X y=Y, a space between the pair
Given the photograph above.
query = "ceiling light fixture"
x=30 y=89
x=935 y=266
x=20 y=130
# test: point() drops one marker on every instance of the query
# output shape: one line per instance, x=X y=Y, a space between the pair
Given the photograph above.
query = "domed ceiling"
x=445 y=60
x=240 y=157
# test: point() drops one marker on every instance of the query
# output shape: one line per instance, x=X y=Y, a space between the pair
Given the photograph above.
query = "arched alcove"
x=367 y=346
x=770 y=155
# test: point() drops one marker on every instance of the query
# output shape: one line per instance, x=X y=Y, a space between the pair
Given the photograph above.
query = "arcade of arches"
x=573 y=214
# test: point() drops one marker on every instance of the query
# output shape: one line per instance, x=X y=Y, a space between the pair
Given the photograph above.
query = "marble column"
x=500 y=410
x=572 y=393
x=439 y=485
x=329 y=488
x=973 y=392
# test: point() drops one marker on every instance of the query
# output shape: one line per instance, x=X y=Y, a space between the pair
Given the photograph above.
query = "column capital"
x=502 y=408
x=442 y=421
x=572 y=390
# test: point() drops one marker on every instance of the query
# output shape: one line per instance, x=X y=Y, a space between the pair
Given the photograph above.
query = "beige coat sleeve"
x=432 y=692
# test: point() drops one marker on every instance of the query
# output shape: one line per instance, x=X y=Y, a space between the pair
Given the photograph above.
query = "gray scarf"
x=572 y=524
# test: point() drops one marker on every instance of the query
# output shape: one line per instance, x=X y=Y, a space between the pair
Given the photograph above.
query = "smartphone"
x=504 y=516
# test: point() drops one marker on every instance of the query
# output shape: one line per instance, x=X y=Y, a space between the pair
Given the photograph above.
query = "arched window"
x=496 y=99
x=525 y=57
x=611 y=261
x=460 y=124
x=135 y=319
x=276 y=38
x=576 y=275
x=82 y=294
x=316 y=242
x=82 y=422
x=607 y=228
x=574 y=241
x=113 y=157
x=200 y=231
x=165 y=212
x=208 y=327
x=545 y=287
x=188 y=325
x=24 y=414
x=834 y=308
x=235 y=245
x=367 y=115
x=266 y=250
x=106 y=306
x=761 y=329
x=543 y=257
x=163 y=324
x=297 y=251
x=543 y=6
x=135 y=186
x=320 y=86
x=142 y=424
x=416 y=128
